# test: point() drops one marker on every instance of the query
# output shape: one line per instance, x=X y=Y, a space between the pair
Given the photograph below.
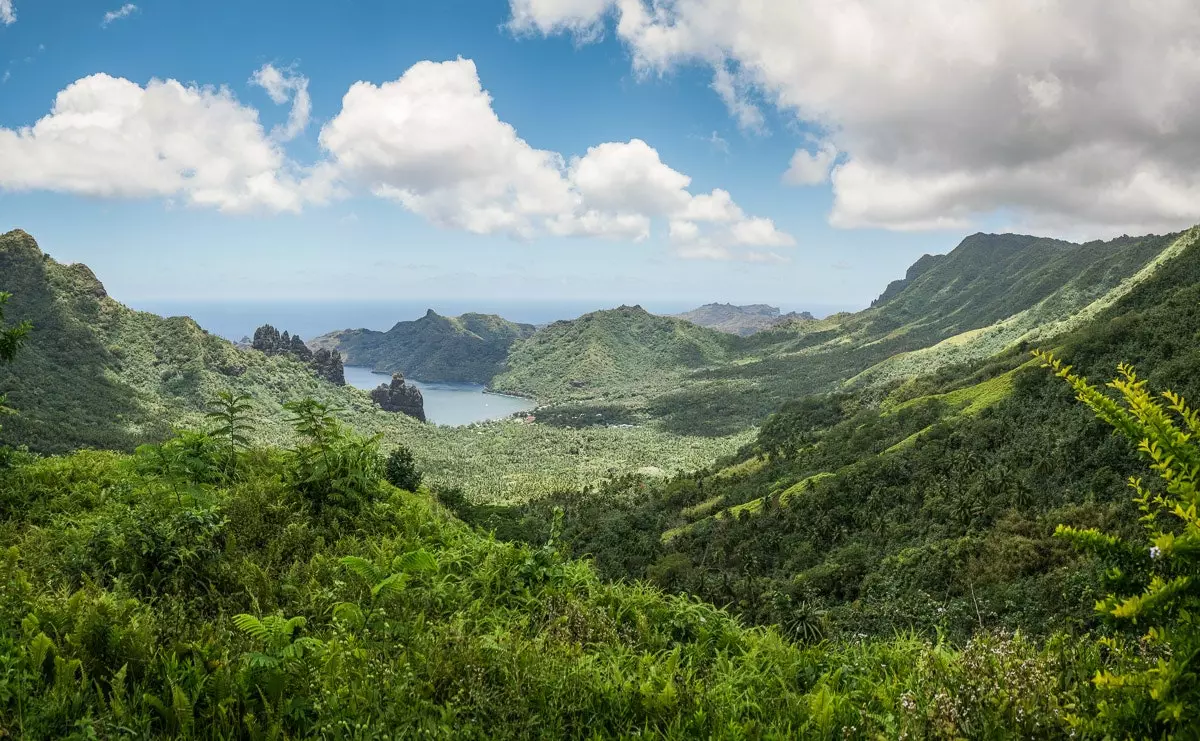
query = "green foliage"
x=336 y=470
x=410 y=624
x=229 y=412
x=401 y=470
x=11 y=339
x=1161 y=666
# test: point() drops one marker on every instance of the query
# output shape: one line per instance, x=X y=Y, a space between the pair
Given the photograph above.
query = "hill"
x=930 y=503
x=207 y=604
x=990 y=293
x=993 y=291
x=95 y=373
x=469 y=348
x=606 y=355
x=740 y=320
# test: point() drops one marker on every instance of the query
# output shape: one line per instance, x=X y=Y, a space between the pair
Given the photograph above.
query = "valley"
x=891 y=483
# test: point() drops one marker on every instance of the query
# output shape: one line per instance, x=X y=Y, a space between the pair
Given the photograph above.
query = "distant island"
x=741 y=320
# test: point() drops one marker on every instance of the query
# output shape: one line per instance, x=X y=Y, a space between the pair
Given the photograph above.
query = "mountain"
x=741 y=320
x=615 y=353
x=96 y=374
x=470 y=348
x=991 y=292
x=928 y=504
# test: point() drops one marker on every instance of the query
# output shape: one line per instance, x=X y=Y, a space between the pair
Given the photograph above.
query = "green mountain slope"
x=615 y=354
x=98 y=374
x=990 y=292
x=469 y=348
x=929 y=503
x=216 y=608
x=95 y=373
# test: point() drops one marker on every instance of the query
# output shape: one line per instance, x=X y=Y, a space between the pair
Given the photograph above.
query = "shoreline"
x=485 y=388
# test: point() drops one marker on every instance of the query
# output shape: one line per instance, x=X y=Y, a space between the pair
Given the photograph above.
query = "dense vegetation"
x=950 y=555
x=97 y=374
x=199 y=589
x=929 y=503
x=469 y=348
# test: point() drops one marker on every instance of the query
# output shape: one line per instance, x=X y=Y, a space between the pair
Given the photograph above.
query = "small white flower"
x=1155 y=552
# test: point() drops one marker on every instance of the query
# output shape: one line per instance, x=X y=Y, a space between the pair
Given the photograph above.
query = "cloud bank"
x=1060 y=112
x=430 y=141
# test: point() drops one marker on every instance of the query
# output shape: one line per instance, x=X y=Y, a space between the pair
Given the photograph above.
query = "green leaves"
x=381 y=586
x=1163 y=434
x=229 y=411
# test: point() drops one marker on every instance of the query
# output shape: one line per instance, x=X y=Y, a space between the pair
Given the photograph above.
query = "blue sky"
x=561 y=92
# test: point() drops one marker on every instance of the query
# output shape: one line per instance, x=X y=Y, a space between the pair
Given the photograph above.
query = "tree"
x=229 y=411
x=1167 y=562
x=401 y=471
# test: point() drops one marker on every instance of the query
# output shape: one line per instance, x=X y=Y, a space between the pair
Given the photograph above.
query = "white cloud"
x=124 y=11
x=8 y=15
x=107 y=136
x=431 y=141
x=584 y=18
x=282 y=85
x=1055 y=111
x=734 y=93
x=811 y=168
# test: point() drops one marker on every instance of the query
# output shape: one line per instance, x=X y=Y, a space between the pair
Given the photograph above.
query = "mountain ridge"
x=469 y=348
x=741 y=320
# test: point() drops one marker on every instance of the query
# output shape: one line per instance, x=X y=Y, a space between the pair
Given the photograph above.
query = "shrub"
x=402 y=470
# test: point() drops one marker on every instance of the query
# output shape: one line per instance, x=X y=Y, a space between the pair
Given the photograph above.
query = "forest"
x=203 y=541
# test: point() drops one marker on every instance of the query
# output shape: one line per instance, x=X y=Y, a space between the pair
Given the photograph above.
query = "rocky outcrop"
x=328 y=365
x=325 y=363
x=400 y=397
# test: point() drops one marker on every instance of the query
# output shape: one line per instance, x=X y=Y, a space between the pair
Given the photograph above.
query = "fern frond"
x=363 y=568
x=251 y=626
x=415 y=561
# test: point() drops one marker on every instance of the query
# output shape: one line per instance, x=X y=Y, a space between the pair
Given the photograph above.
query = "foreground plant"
x=1165 y=667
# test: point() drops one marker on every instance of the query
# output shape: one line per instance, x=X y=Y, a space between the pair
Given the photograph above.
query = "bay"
x=448 y=403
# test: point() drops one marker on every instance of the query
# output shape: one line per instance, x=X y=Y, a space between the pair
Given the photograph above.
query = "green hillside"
x=899 y=542
x=606 y=355
x=469 y=348
x=989 y=293
x=928 y=503
x=142 y=603
x=97 y=374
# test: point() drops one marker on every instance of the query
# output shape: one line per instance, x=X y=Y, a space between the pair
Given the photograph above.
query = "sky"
x=614 y=151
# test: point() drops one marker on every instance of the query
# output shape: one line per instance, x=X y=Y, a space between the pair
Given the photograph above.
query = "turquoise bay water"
x=448 y=403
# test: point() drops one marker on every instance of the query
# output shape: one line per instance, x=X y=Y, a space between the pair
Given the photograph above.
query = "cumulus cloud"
x=429 y=141
x=734 y=93
x=8 y=15
x=432 y=142
x=124 y=11
x=1053 y=110
x=811 y=168
x=282 y=85
x=107 y=136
